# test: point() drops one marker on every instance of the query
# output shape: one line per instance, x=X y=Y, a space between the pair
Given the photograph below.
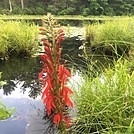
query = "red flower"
x=57 y=119
x=66 y=119
x=42 y=33
x=54 y=75
x=42 y=28
x=48 y=100
x=40 y=76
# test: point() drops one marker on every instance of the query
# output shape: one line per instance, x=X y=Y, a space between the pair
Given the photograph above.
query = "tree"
x=10 y=6
x=22 y=4
x=68 y=7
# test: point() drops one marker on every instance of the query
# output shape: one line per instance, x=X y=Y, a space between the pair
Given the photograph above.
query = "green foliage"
x=4 y=112
x=66 y=7
x=105 y=104
x=85 y=11
x=17 y=38
x=2 y=82
x=117 y=35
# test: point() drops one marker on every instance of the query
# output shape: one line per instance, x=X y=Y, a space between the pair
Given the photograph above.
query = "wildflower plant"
x=54 y=76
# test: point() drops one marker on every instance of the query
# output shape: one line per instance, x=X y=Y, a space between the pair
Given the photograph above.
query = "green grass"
x=117 y=36
x=105 y=103
x=65 y=17
x=17 y=38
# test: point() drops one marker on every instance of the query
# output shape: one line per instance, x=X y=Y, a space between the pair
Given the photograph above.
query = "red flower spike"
x=68 y=102
x=48 y=51
x=45 y=42
x=49 y=106
x=60 y=31
x=67 y=72
x=43 y=39
x=54 y=75
x=45 y=92
x=44 y=57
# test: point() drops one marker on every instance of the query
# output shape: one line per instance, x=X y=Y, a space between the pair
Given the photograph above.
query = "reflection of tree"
x=17 y=70
x=9 y=87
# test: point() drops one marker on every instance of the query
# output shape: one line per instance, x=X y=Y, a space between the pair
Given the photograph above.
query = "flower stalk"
x=54 y=75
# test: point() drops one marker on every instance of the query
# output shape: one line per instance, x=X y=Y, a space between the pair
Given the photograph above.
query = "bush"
x=17 y=38
x=105 y=104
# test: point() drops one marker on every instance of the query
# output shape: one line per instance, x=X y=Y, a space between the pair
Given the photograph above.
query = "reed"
x=105 y=103
x=116 y=36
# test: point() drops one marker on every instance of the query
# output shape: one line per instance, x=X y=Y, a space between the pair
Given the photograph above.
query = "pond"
x=22 y=91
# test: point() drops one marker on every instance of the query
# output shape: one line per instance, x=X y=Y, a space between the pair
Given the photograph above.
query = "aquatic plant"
x=54 y=75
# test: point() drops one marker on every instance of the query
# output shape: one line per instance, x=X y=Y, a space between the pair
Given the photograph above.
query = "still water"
x=22 y=92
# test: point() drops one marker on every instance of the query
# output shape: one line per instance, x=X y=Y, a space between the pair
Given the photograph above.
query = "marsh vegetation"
x=104 y=97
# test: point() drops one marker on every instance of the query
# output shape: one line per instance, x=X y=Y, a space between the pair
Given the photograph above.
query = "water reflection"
x=29 y=115
x=22 y=91
x=37 y=124
x=71 y=52
x=25 y=70
x=19 y=92
x=18 y=70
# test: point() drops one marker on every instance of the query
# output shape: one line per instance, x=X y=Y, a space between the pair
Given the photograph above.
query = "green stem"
x=55 y=84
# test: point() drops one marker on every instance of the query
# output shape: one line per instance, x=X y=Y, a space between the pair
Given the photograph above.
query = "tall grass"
x=105 y=103
x=112 y=35
x=17 y=38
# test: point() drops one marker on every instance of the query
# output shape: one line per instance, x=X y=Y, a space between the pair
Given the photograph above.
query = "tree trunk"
x=22 y=4
x=10 y=6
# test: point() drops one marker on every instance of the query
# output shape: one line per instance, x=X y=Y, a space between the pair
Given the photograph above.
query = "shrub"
x=105 y=104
